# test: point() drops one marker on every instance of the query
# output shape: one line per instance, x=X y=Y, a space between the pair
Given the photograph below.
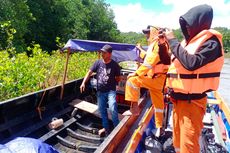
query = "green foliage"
x=23 y=74
x=19 y=14
x=7 y=33
x=102 y=25
x=178 y=34
x=42 y=22
x=133 y=38
x=224 y=31
x=53 y=19
x=50 y=23
x=226 y=37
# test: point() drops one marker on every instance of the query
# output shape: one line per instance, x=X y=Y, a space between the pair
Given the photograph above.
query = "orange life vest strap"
x=193 y=76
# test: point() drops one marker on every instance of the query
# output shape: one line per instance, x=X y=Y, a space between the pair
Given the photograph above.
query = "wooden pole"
x=138 y=62
x=98 y=55
x=65 y=72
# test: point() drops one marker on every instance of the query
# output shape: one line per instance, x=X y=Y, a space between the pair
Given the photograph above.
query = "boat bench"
x=90 y=108
x=213 y=101
x=207 y=120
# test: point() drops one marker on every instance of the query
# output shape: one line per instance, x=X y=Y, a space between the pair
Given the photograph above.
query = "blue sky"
x=156 y=5
x=134 y=15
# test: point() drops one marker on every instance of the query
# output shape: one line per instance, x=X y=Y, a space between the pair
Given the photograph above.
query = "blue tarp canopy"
x=121 y=51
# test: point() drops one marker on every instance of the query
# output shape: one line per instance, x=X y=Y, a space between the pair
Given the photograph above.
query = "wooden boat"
x=20 y=118
x=31 y=114
x=215 y=134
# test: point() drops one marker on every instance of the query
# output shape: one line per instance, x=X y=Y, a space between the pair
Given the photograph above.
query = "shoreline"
x=227 y=55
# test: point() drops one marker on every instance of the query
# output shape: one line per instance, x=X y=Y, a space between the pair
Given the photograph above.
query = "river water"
x=224 y=87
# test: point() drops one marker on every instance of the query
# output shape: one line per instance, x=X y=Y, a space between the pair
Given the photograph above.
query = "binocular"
x=161 y=32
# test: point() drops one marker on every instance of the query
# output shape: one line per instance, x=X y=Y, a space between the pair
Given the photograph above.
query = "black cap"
x=147 y=30
x=107 y=48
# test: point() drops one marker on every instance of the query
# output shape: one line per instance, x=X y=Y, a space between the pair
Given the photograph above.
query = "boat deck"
x=79 y=132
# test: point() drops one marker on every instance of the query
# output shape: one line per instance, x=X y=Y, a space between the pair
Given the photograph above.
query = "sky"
x=135 y=15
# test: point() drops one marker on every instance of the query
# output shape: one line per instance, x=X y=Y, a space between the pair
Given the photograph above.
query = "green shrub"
x=21 y=74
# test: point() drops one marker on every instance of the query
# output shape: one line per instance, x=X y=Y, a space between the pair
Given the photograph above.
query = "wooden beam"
x=137 y=135
x=90 y=108
x=223 y=106
x=214 y=101
x=217 y=127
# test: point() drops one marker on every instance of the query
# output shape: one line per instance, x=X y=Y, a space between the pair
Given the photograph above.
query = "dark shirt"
x=106 y=75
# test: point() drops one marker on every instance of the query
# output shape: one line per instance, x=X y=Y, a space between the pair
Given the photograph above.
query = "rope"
x=39 y=108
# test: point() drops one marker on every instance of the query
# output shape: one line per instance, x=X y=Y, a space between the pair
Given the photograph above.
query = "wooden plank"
x=84 y=105
x=223 y=106
x=90 y=108
x=207 y=120
x=217 y=127
x=53 y=132
x=214 y=101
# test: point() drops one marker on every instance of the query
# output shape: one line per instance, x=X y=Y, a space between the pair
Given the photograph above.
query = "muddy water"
x=224 y=87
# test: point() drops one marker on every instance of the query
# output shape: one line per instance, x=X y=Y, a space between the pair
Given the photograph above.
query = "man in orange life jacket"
x=196 y=65
x=151 y=75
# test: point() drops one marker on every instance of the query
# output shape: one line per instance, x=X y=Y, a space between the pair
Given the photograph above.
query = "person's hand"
x=82 y=87
x=169 y=34
x=161 y=40
x=131 y=75
x=139 y=46
x=118 y=78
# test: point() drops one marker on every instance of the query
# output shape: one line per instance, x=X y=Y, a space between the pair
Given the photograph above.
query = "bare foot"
x=102 y=132
x=160 y=132
x=133 y=111
x=127 y=113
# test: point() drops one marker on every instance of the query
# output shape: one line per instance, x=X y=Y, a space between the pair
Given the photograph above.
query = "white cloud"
x=133 y=17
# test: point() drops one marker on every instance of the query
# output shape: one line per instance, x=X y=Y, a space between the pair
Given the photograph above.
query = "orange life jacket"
x=202 y=79
x=151 y=64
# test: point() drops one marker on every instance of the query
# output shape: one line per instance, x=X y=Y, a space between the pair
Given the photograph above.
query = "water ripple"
x=224 y=86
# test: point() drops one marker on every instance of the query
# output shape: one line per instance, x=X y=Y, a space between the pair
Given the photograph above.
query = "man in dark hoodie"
x=196 y=65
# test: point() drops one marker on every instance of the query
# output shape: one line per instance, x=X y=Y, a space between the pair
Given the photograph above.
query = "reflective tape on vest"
x=159 y=110
x=147 y=65
x=177 y=150
x=131 y=85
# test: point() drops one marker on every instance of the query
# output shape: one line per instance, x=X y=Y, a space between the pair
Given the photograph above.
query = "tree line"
x=31 y=31
x=132 y=37
x=44 y=21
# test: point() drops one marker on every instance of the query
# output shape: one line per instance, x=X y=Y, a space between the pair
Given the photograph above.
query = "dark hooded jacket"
x=197 y=19
x=193 y=22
